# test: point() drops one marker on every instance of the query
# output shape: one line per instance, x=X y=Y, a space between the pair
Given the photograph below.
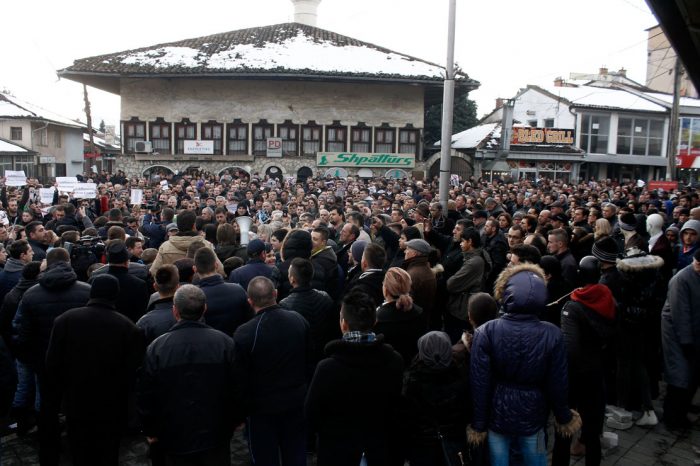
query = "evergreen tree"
x=464 y=118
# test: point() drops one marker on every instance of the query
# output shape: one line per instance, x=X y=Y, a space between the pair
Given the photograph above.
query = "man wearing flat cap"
x=423 y=280
x=91 y=365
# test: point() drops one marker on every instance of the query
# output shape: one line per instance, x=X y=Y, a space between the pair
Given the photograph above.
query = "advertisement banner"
x=665 y=185
x=543 y=136
x=359 y=160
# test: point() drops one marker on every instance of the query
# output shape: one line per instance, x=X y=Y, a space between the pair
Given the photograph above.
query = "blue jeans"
x=532 y=448
x=26 y=388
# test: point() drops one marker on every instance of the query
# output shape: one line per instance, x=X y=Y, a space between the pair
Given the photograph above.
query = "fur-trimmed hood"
x=631 y=265
x=521 y=289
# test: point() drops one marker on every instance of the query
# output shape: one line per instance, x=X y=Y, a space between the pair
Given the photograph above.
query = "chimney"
x=622 y=72
x=499 y=102
x=305 y=11
x=559 y=82
x=603 y=70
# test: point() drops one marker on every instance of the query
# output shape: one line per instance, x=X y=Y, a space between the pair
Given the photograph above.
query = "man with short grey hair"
x=206 y=401
x=273 y=354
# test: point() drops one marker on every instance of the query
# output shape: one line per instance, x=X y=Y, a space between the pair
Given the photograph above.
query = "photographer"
x=154 y=225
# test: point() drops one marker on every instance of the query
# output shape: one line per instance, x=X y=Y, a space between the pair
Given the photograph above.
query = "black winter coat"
x=133 y=293
x=227 y=304
x=58 y=290
x=329 y=263
x=401 y=329
x=254 y=268
x=273 y=351
x=188 y=393
x=586 y=333
x=91 y=362
x=9 y=310
x=158 y=320
x=355 y=395
x=280 y=277
x=371 y=284
x=319 y=310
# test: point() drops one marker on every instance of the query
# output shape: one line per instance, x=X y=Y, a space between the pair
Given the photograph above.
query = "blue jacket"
x=227 y=304
x=254 y=268
x=518 y=363
x=10 y=276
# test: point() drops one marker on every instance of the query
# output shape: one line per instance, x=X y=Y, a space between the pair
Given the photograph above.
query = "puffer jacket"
x=518 y=363
x=58 y=290
x=176 y=248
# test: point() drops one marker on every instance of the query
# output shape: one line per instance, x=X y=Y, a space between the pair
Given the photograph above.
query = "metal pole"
x=673 y=124
x=447 y=109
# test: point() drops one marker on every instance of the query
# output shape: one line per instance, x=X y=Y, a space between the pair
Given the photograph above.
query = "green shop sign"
x=350 y=159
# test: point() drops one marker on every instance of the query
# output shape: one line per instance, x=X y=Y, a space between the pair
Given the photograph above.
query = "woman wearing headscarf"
x=437 y=391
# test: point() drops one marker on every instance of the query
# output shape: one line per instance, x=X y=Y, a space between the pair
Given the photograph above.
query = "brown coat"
x=423 y=283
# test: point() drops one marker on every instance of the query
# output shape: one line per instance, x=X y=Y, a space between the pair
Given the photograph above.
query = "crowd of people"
x=360 y=320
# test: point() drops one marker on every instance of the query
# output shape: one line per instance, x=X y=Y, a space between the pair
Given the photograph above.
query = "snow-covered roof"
x=280 y=50
x=99 y=141
x=472 y=137
x=12 y=107
x=668 y=98
x=7 y=146
x=601 y=97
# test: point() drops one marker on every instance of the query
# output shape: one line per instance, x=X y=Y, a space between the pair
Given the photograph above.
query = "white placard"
x=3 y=218
x=15 y=178
x=164 y=183
x=199 y=147
x=85 y=191
x=136 y=196
x=67 y=183
x=94 y=168
x=454 y=180
x=46 y=195
x=274 y=147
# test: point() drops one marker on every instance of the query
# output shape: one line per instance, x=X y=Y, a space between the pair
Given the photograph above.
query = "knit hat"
x=606 y=250
x=117 y=252
x=421 y=246
x=104 y=286
x=628 y=222
x=435 y=350
x=357 y=249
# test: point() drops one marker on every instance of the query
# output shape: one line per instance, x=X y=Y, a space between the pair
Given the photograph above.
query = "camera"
x=153 y=206
x=84 y=252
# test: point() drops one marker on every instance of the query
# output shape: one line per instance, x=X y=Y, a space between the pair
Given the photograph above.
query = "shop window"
x=16 y=133
x=160 y=136
x=384 y=140
x=134 y=131
x=237 y=138
x=408 y=141
x=261 y=131
x=595 y=131
x=213 y=131
x=336 y=137
x=639 y=136
x=361 y=140
x=289 y=133
x=310 y=139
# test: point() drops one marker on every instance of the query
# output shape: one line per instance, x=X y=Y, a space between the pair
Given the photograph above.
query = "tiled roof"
x=288 y=49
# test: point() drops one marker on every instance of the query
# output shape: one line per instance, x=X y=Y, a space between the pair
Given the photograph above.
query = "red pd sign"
x=665 y=185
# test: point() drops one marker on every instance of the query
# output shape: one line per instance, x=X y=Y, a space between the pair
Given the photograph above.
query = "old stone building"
x=284 y=100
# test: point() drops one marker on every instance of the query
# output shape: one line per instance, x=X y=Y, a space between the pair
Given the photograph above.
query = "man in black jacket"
x=227 y=307
x=353 y=396
x=372 y=277
x=159 y=315
x=316 y=306
x=133 y=298
x=58 y=290
x=273 y=353
x=188 y=391
x=91 y=364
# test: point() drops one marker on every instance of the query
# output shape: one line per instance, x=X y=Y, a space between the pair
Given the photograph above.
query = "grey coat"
x=467 y=281
x=680 y=325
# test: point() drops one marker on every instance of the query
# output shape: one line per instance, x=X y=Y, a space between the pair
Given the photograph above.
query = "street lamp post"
x=447 y=109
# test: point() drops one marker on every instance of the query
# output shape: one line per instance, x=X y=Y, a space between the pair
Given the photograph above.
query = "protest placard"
x=136 y=196
x=85 y=191
x=15 y=178
x=66 y=184
x=46 y=195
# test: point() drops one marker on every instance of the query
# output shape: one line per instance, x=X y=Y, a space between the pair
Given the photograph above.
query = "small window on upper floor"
x=408 y=141
x=385 y=140
x=184 y=131
x=361 y=139
x=310 y=139
x=261 y=132
x=237 y=138
x=160 y=136
x=213 y=131
x=134 y=131
x=336 y=137
x=43 y=137
x=289 y=133
x=16 y=133
x=549 y=123
x=532 y=123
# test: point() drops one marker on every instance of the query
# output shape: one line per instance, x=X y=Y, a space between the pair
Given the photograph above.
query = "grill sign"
x=549 y=136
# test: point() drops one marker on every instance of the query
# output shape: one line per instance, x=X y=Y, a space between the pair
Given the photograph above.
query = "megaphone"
x=244 y=223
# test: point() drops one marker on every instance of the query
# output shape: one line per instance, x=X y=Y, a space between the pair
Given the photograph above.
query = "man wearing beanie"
x=91 y=364
x=607 y=252
x=133 y=298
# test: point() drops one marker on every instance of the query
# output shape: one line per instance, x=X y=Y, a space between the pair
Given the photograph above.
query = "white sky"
x=504 y=44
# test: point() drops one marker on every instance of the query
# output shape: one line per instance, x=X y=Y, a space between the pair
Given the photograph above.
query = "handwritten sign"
x=85 y=191
x=67 y=183
x=15 y=178
x=46 y=195
x=136 y=196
